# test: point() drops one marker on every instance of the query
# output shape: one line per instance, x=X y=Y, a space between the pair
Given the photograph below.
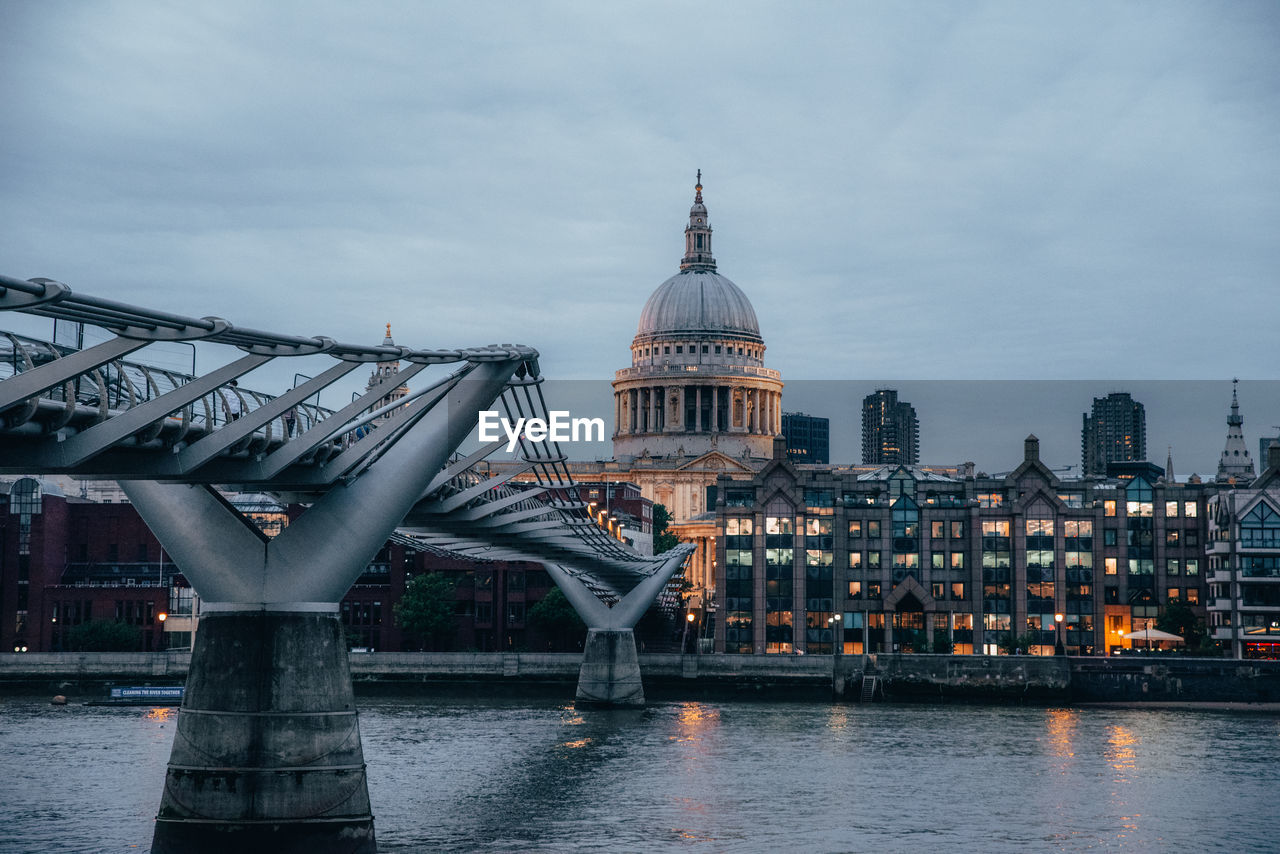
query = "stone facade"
x=924 y=559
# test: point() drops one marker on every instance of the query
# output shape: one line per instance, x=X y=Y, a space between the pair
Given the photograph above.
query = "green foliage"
x=104 y=636
x=663 y=540
x=941 y=642
x=555 y=616
x=1010 y=643
x=425 y=612
x=1179 y=619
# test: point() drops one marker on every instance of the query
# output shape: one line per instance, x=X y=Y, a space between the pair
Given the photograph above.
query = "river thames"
x=531 y=775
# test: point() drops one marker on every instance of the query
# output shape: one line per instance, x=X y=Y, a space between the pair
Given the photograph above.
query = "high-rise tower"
x=890 y=430
x=1115 y=432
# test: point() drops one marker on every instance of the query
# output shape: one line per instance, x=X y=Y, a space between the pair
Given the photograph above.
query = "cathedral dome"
x=698 y=301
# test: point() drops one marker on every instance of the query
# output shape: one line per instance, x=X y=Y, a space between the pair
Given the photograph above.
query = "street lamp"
x=684 y=638
x=1059 y=649
x=837 y=643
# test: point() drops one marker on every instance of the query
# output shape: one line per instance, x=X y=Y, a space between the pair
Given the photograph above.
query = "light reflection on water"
x=523 y=774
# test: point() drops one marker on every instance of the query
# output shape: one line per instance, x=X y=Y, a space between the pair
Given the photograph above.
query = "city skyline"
x=1033 y=192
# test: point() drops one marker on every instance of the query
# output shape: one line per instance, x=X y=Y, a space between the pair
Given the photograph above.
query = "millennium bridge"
x=267 y=754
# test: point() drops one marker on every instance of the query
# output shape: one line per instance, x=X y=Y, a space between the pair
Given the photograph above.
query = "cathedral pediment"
x=716 y=461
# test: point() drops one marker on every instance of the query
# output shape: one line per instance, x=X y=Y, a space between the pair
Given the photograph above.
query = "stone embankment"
x=1034 y=679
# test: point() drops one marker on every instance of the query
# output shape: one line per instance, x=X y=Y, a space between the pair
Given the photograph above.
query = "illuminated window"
x=957 y=592
x=855 y=528
x=855 y=560
x=1193 y=596
x=1108 y=508
x=957 y=530
x=873 y=528
x=1189 y=509
x=937 y=530
x=1173 y=566
x=990 y=499
x=1109 y=565
x=855 y=589
x=957 y=560
x=938 y=560
x=1171 y=508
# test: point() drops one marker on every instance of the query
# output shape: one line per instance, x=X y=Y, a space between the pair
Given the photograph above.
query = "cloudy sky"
x=925 y=191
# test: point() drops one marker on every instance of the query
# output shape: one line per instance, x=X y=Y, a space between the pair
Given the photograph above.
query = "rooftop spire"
x=1235 y=461
x=697 y=236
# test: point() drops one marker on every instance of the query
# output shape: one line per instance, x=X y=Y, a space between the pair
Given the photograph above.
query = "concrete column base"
x=267 y=755
x=610 y=672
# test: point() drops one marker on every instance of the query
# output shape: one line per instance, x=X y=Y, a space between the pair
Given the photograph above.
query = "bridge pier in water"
x=610 y=673
x=268 y=754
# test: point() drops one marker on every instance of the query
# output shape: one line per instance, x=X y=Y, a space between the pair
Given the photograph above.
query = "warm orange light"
x=690 y=617
x=162 y=616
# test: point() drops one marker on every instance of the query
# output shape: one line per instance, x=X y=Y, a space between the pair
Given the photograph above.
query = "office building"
x=808 y=438
x=1116 y=432
x=890 y=430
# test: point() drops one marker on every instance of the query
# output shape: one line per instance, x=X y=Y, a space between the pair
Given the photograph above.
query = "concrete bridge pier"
x=610 y=673
x=267 y=755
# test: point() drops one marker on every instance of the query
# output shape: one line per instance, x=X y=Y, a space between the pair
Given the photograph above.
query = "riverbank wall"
x=1033 y=679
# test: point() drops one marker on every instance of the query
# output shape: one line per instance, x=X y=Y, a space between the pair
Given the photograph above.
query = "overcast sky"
x=905 y=191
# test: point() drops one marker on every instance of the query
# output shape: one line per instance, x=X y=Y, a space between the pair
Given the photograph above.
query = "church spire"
x=1168 y=467
x=697 y=236
x=1235 y=461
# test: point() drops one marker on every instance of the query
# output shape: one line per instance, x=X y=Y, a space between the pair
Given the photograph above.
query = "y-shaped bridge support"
x=267 y=755
x=610 y=673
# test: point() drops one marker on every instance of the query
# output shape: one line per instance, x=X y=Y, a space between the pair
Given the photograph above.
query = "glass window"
x=1173 y=566
x=737 y=527
x=1260 y=528
x=855 y=528
x=1193 y=595
x=1039 y=527
x=1189 y=509
x=957 y=590
x=873 y=528
x=1108 y=508
x=1171 y=508
x=779 y=525
x=937 y=530
x=873 y=560
x=1109 y=565
x=957 y=560
x=1193 y=566
x=957 y=530
x=1171 y=537
x=855 y=589
x=1108 y=536
x=855 y=560
x=938 y=560
x=990 y=499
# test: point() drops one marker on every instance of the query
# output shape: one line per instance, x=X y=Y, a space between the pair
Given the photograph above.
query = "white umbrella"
x=1152 y=634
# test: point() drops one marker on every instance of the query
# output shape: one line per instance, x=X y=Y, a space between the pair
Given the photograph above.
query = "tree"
x=663 y=540
x=1179 y=619
x=425 y=611
x=555 y=617
x=1011 y=643
x=104 y=636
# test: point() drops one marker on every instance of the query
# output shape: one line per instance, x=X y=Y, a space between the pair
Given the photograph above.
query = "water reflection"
x=1060 y=725
x=531 y=775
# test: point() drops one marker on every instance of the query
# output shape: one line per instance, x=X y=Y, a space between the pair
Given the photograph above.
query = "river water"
x=532 y=775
